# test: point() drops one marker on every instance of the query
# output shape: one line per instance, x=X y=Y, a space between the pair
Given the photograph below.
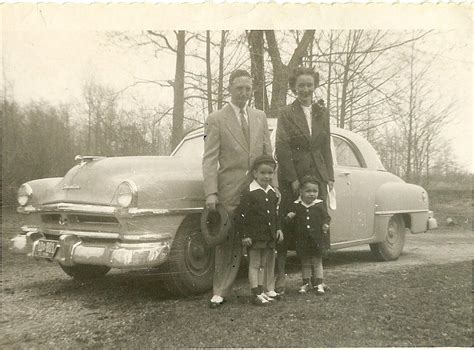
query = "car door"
x=350 y=219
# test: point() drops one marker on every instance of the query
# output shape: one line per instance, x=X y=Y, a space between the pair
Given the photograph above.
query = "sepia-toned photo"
x=236 y=175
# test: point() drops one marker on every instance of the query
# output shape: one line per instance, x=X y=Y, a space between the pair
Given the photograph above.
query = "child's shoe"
x=326 y=287
x=319 y=289
x=304 y=288
x=260 y=300
x=280 y=291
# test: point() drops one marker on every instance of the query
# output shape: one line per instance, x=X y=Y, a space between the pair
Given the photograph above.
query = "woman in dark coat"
x=302 y=148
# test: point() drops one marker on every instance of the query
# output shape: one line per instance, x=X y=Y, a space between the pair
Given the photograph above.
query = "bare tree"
x=280 y=70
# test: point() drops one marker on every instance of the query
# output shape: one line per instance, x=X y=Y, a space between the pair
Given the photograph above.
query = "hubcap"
x=392 y=232
x=198 y=254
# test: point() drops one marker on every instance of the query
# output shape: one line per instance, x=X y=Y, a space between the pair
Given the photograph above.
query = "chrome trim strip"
x=72 y=207
x=27 y=229
x=109 y=210
x=345 y=244
x=391 y=212
x=101 y=235
x=139 y=212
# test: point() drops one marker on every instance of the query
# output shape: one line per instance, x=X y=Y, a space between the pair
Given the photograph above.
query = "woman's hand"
x=330 y=185
x=279 y=236
x=247 y=242
x=295 y=185
x=325 y=228
x=290 y=215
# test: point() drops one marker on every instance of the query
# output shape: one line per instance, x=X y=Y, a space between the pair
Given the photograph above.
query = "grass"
x=422 y=306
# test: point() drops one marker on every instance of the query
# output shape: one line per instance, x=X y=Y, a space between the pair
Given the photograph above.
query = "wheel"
x=190 y=266
x=85 y=272
x=392 y=245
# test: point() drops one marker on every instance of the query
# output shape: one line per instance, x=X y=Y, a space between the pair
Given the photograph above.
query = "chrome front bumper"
x=72 y=250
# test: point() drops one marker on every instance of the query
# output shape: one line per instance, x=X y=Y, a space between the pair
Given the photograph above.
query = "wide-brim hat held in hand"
x=215 y=224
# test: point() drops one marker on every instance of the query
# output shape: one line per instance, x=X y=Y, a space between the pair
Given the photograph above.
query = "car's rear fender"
x=399 y=198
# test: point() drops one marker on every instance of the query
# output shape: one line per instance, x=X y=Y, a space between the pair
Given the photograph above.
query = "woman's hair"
x=308 y=179
x=302 y=71
x=263 y=159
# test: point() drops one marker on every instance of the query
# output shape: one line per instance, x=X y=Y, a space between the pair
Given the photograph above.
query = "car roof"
x=368 y=152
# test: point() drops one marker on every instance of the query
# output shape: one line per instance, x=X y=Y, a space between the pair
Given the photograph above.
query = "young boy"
x=310 y=223
x=256 y=221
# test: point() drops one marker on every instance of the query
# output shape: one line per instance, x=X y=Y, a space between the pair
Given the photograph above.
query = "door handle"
x=345 y=173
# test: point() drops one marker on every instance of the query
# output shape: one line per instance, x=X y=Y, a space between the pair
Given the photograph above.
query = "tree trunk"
x=220 y=88
x=410 y=116
x=208 y=72
x=328 y=91
x=178 y=86
x=280 y=70
x=257 y=68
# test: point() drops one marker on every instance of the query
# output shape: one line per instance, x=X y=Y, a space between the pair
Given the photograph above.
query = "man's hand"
x=295 y=185
x=290 y=215
x=331 y=185
x=279 y=236
x=211 y=201
x=325 y=228
x=247 y=242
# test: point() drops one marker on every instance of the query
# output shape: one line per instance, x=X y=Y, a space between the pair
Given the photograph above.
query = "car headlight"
x=126 y=193
x=24 y=193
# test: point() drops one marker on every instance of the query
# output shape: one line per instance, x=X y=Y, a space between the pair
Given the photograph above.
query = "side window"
x=192 y=148
x=345 y=155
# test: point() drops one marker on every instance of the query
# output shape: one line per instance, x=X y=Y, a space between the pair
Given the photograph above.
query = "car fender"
x=399 y=198
x=41 y=188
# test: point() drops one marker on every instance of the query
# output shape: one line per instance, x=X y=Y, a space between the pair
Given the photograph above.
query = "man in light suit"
x=234 y=136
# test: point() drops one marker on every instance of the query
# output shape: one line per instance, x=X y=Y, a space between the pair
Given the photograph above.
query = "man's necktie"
x=245 y=126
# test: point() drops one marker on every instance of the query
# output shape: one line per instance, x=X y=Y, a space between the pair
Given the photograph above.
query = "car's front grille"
x=80 y=222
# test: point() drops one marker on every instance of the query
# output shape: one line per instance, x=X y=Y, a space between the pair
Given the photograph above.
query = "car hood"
x=162 y=182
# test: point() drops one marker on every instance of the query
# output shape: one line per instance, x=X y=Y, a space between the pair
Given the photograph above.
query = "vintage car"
x=144 y=212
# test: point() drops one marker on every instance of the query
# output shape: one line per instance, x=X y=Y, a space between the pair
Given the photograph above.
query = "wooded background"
x=377 y=83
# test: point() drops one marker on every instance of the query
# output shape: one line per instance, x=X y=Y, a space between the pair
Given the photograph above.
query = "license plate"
x=45 y=249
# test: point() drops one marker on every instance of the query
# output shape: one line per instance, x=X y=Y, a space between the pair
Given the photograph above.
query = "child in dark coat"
x=309 y=221
x=256 y=220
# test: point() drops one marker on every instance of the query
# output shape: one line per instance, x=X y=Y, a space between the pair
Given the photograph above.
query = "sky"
x=53 y=65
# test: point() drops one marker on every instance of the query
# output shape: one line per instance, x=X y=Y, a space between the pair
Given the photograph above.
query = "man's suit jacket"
x=298 y=153
x=227 y=157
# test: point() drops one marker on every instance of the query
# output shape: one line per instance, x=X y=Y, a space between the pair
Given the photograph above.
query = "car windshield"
x=192 y=147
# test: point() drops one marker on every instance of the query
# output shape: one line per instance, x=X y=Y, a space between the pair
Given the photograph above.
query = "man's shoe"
x=304 y=288
x=267 y=297
x=274 y=295
x=216 y=302
x=259 y=300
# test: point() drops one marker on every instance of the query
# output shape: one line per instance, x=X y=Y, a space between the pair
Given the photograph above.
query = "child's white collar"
x=254 y=185
x=316 y=201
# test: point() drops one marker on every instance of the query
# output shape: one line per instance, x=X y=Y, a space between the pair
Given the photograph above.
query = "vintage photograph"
x=236 y=176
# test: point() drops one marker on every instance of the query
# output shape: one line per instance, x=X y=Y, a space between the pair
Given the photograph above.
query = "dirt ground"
x=422 y=299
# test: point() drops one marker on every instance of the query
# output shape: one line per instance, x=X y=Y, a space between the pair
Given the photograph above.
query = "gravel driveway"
x=44 y=308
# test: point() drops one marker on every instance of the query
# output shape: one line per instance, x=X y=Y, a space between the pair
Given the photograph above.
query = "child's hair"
x=263 y=159
x=308 y=179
